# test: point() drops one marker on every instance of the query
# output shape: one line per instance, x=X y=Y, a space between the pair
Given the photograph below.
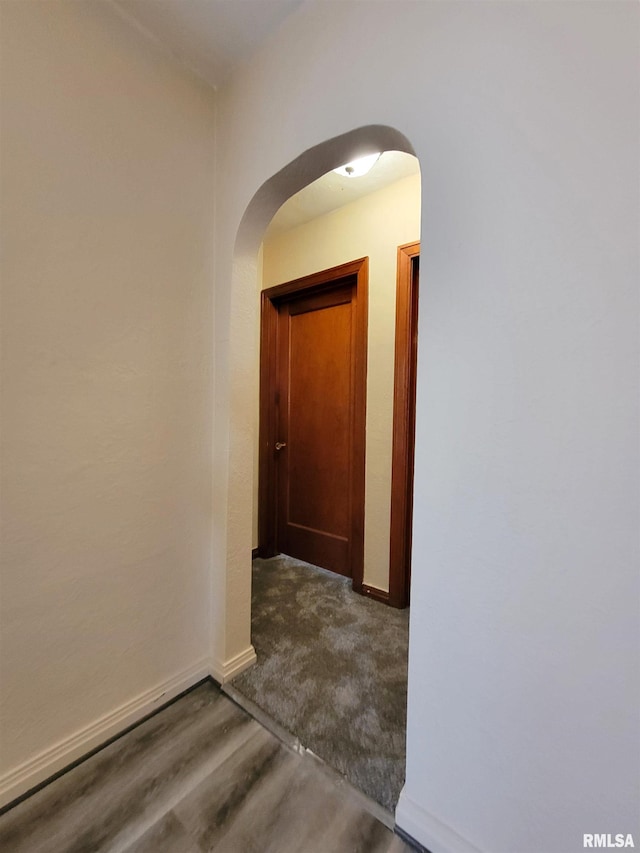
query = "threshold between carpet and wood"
x=332 y=670
x=200 y=775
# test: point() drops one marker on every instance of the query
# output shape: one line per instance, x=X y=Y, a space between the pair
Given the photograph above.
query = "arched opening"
x=303 y=171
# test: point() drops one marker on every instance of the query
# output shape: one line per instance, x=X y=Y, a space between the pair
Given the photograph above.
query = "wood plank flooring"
x=201 y=775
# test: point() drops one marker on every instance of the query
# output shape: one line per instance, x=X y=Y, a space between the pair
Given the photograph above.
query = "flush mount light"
x=358 y=167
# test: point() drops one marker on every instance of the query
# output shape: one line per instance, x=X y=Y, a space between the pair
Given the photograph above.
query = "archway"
x=231 y=602
x=305 y=169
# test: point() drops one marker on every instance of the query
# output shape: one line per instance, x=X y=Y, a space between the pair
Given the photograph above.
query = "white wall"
x=371 y=227
x=107 y=239
x=523 y=685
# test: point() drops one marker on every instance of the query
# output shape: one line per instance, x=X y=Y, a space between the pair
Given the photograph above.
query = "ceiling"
x=214 y=37
x=332 y=191
x=211 y=37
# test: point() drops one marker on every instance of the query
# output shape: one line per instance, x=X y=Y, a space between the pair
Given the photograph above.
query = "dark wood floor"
x=201 y=775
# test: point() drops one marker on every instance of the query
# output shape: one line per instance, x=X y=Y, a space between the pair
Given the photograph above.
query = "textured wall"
x=107 y=232
x=372 y=227
x=523 y=686
x=523 y=683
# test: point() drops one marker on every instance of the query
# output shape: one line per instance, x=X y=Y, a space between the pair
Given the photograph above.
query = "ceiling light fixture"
x=359 y=167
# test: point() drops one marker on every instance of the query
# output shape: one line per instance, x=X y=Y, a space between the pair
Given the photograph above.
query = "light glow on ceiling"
x=359 y=167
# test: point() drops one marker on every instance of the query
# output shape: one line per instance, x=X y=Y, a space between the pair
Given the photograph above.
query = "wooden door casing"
x=404 y=414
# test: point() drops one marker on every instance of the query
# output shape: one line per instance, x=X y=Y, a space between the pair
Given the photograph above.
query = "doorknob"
x=280 y=445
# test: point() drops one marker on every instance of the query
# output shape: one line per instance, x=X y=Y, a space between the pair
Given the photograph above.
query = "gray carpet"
x=332 y=669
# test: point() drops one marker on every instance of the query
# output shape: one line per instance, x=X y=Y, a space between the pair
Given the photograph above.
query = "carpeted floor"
x=332 y=670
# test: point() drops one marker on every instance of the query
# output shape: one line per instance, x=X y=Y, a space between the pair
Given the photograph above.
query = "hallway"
x=147 y=149
x=332 y=670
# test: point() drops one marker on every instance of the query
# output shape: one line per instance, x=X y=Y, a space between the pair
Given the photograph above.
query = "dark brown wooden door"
x=316 y=374
x=313 y=376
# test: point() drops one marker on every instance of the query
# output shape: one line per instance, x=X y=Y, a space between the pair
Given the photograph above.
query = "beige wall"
x=374 y=227
x=107 y=237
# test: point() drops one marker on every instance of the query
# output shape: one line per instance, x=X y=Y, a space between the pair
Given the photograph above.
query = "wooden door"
x=316 y=448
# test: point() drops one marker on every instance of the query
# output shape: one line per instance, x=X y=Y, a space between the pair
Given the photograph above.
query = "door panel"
x=315 y=416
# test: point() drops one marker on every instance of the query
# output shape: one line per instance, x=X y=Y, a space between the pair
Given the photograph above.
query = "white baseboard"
x=427 y=830
x=223 y=672
x=34 y=771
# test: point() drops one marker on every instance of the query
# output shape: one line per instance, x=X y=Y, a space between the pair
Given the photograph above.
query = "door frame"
x=358 y=272
x=404 y=416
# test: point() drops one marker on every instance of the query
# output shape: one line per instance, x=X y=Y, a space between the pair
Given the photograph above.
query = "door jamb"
x=267 y=482
x=404 y=405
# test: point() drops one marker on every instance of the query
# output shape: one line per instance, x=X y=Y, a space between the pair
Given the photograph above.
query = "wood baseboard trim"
x=380 y=595
x=223 y=672
x=52 y=762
